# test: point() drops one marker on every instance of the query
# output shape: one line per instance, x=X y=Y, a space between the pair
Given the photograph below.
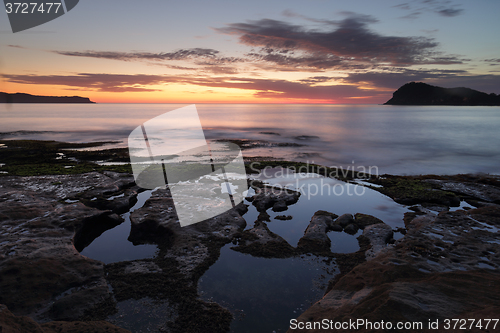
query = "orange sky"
x=260 y=52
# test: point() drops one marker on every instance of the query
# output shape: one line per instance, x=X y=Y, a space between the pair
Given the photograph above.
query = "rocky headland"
x=27 y=98
x=419 y=93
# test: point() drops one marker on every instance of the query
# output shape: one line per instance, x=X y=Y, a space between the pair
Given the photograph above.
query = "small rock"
x=283 y=217
x=344 y=220
x=336 y=227
x=351 y=229
x=315 y=238
x=280 y=206
x=364 y=220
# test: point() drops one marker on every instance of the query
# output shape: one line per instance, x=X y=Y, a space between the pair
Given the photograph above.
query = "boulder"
x=315 y=238
x=351 y=229
x=364 y=220
x=344 y=220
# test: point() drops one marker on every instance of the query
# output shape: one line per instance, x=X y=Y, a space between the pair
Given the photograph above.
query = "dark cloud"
x=183 y=54
x=405 y=6
x=493 y=61
x=345 y=45
x=89 y=81
x=450 y=12
x=288 y=61
x=442 y=7
x=228 y=70
x=317 y=79
x=349 y=41
x=396 y=77
x=267 y=88
x=412 y=16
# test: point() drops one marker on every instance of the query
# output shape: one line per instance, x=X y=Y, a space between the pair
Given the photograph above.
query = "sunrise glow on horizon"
x=298 y=51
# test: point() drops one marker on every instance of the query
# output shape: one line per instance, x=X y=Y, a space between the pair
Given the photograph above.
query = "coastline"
x=49 y=214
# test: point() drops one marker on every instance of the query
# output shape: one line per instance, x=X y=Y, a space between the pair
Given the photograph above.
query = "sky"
x=235 y=51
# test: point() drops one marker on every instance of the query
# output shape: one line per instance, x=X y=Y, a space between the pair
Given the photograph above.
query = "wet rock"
x=241 y=208
x=283 y=217
x=351 y=229
x=364 y=220
x=11 y=323
x=479 y=191
x=446 y=266
x=344 y=220
x=43 y=274
x=264 y=217
x=280 y=206
x=479 y=204
x=436 y=208
x=57 y=186
x=21 y=324
x=40 y=265
x=141 y=267
x=411 y=191
x=336 y=227
x=262 y=242
x=267 y=197
x=121 y=180
x=250 y=144
x=306 y=137
x=379 y=235
x=315 y=238
x=156 y=222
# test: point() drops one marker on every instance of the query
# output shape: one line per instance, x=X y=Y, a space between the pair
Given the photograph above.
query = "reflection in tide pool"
x=269 y=292
x=332 y=195
x=113 y=245
x=264 y=294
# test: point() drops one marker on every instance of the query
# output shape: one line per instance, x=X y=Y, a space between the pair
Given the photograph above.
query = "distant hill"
x=27 y=98
x=418 y=93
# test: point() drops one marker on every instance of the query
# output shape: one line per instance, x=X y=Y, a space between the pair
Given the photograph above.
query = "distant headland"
x=27 y=98
x=419 y=93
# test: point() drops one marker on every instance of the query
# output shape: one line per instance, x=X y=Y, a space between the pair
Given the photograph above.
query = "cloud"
x=396 y=77
x=441 y=7
x=261 y=88
x=129 y=56
x=209 y=56
x=268 y=88
x=345 y=41
x=450 y=12
x=345 y=45
x=324 y=88
x=288 y=61
x=90 y=81
x=493 y=62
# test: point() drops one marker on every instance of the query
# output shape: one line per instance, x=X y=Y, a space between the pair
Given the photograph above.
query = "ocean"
x=262 y=293
x=401 y=140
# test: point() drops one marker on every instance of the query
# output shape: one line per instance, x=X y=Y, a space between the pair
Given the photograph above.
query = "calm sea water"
x=264 y=294
x=396 y=139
